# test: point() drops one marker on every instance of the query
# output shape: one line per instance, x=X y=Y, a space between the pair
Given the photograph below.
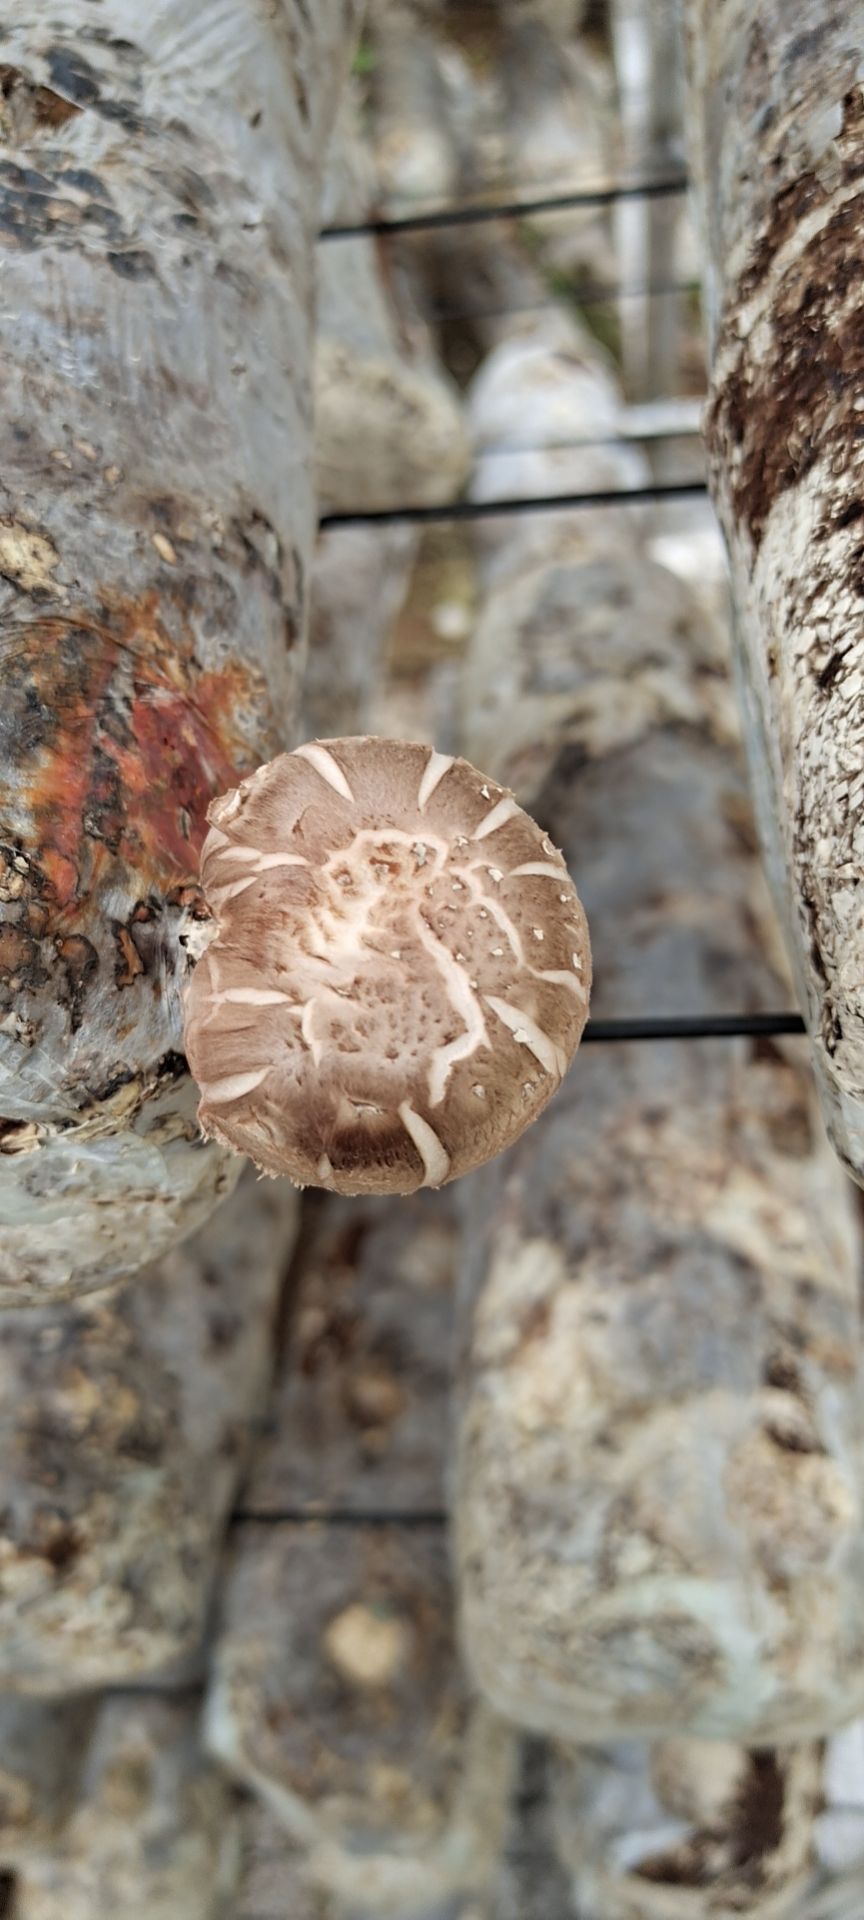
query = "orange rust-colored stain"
x=136 y=624
x=169 y=776
x=134 y=746
x=58 y=794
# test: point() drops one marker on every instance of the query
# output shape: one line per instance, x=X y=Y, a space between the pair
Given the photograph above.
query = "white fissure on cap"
x=387 y=952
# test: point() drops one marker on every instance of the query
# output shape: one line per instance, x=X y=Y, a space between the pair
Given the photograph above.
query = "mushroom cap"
x=400 y=971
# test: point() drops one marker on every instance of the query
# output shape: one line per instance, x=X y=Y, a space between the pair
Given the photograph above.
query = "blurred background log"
x=660 y=1439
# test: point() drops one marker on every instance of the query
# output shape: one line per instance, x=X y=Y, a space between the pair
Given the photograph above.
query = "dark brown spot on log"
x=831 y=1030
x=827 y=675
x=18 y=1136
x=847 y=516
x=52 y=1538
x=799 y=404
x=47 y=109
x=122 y=1079
x=62 y=1548
x=80 y=962
x=758 y=1827
x=853 y=115
x=782 y=1371
x=789 y=1440
x=171 y=1068
x=683 y=1866
x=792 y=203
x=129 y=963
x=19 y=960
x=756 y=1832
x=135 y=264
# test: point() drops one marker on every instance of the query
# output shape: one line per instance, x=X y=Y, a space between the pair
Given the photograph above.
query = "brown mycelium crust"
x=400 y=972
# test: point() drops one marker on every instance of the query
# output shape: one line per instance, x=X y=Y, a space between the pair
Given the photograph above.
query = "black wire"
x=505 y=209
x=695 y=1026
x=585 y=296
x=491 y=509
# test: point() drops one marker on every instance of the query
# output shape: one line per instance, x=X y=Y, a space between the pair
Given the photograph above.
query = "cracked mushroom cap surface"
x=400 y=970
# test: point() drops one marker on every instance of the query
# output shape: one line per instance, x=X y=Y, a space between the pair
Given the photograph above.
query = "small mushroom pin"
x=399 y=974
